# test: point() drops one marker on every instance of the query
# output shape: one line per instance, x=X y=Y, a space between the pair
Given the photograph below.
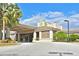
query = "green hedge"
x=73 y=37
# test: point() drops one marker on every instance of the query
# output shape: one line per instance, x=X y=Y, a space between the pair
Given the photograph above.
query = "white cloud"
x=51 y=17
x=32 y=21
x=42 y=16
x=55 y=14
x=51 y=14
x=75 y=16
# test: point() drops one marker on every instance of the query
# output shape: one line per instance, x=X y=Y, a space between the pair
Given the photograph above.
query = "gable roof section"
x=23 y=28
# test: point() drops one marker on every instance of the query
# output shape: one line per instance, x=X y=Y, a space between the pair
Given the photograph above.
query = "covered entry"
x=44 y=34
x=24 y=33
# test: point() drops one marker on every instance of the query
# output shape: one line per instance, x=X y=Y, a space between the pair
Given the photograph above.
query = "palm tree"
x=3 y=7
x=10 y=14
x=13 y=14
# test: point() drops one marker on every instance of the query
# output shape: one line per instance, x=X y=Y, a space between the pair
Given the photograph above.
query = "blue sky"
x=51 y=12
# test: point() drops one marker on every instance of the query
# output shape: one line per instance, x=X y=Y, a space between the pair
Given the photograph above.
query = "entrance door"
x=26 y=38
x=29 y=37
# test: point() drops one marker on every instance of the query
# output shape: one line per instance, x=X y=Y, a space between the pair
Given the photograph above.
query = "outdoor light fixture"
x=67 y=21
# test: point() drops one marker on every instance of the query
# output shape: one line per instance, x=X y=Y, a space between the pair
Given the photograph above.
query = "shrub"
x=11 y=41
x=60 y=36
x=73 y=37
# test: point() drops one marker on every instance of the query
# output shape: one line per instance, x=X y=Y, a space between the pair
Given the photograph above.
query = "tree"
x=13 y=13
x=60 y=36
x=3 y=7
x=73 y=37
x=10 y=17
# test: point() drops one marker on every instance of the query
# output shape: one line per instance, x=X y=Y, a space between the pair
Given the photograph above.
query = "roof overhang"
x=44 y=28
x=23 y=29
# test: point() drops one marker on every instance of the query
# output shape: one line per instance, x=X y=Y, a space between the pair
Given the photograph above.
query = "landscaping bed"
x=7 y=42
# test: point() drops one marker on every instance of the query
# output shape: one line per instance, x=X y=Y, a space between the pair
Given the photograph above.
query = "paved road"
x=41 y=49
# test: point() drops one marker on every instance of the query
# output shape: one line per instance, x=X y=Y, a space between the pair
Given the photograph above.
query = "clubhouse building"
x=43 y=32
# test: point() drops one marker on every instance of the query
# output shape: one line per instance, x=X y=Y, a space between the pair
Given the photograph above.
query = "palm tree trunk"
x=3 y=31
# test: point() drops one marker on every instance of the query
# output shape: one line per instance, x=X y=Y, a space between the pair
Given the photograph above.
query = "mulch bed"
x=7 y=44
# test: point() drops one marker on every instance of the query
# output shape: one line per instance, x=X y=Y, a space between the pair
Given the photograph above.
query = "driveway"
x=41 y=49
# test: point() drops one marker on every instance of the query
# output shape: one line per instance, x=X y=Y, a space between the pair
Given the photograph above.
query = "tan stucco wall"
x=45 y=34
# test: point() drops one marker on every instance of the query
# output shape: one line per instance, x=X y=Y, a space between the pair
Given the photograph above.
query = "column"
x=40 y=35
x=34 y=35
x=51 y=34
x=18 y=37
